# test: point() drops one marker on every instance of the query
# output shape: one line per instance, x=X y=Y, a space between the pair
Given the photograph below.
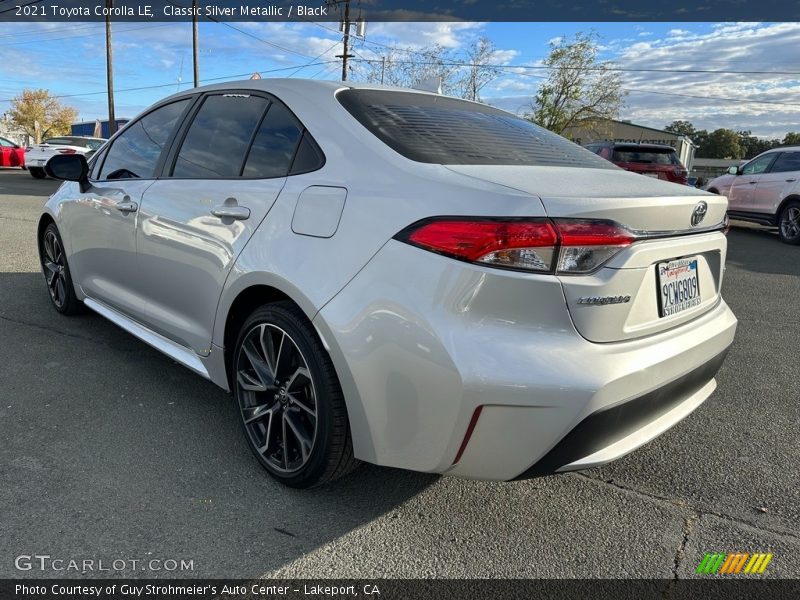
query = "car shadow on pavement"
x=113 y=451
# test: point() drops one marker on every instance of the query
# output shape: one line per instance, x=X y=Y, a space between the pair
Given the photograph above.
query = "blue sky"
x=69 y=59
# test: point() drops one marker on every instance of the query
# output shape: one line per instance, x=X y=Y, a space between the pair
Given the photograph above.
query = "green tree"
x=580 y=91
x=720 y=143
x=792 y=139
x=41 y=115
x=753 y=146
x=682 y=128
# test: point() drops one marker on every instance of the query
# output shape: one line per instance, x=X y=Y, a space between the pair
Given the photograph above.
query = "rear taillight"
x=585 y=244
x=66 y=151
x=538 y=245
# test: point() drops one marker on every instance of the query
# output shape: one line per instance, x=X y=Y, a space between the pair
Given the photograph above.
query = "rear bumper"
x=641 y=392
x=613 y=432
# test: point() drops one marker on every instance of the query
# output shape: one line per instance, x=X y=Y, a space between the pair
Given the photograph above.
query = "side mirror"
x=69 y=167
x=733 y=171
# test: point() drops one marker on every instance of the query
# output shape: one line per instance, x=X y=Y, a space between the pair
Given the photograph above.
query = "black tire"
x=37 y=172
x=57 y=276
x=789 y=223
x=276 y=416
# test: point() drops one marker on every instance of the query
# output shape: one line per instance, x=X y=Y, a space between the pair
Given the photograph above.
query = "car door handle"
x=223 y=211
x=790 y=180
x=752 y=182
x=126 y=206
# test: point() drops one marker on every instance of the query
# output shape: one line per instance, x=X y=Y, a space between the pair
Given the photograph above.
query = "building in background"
x=630 y=133
x=88 y=128
x=705 y=169
x=12 y=132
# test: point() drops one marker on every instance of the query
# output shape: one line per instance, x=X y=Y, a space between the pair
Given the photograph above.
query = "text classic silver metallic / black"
x=397 y=277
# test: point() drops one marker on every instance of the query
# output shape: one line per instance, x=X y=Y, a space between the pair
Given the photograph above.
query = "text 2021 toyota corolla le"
x=397 y=277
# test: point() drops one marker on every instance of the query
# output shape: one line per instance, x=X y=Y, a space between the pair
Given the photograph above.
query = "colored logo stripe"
x=722 y=563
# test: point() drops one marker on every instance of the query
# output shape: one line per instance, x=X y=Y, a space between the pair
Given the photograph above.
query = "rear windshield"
x=655 y=156
x=441 y=130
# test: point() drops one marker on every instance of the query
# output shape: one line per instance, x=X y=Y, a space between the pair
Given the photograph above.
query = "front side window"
x=216 y=143
x=135 y=153
x=786 y=161
x=758 y=165
x=6 y=143
x=440 y=130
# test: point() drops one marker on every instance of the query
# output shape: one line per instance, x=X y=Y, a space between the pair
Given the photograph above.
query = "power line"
x=568 y=68
x=321 y=54
x=247 y=33
x=172 y=83
x=83 y=35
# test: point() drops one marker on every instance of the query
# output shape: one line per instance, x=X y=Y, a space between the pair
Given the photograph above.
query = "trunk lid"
x=626 y=299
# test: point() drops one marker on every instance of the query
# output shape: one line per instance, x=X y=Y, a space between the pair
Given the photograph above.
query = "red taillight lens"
x=520 y=244
x=562 y=245
x=66 y=151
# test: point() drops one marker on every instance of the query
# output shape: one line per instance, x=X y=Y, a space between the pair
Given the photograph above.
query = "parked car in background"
x=38 y=155
x=397 y=277
x=765 y=190
x=11 y=154
x=652 y=160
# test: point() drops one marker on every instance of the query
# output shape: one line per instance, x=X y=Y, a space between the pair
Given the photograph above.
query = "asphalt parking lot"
x=112 y=451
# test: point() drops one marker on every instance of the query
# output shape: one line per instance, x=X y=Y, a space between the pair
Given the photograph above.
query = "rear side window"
x=787 y=161
x=648 y=156
x=441 y=130
x=136 y=151
x=217 y=141
x=274 y=145
x=308 y=158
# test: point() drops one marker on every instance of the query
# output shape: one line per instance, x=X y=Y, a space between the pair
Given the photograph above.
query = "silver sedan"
x=397 y=277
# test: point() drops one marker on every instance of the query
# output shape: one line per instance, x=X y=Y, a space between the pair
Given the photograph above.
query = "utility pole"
x=345 y=40
x=112 y=120
x=195 y=45
x=383 y=67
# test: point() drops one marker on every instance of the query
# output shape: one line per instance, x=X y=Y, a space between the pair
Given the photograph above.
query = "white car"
x=765 y=190
x=37 y=156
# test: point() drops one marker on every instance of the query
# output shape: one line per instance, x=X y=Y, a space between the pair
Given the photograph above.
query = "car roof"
x=781 y=149
x=305 y=87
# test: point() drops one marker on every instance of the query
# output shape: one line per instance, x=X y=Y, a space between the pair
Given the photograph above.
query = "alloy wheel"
x=790 y=223
x=55 y=265
x=277 y=399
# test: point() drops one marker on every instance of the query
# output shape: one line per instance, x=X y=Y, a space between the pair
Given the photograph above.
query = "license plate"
x=678 y=285
x=653 y=175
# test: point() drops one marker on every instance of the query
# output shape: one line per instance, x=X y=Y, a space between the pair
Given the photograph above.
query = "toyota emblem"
x=699 y=213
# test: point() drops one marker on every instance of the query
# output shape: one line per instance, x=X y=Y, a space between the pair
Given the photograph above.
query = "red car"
x=653 y=160
x=11 y=154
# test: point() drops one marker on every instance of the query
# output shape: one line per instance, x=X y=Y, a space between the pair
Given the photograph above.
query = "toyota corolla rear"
x=536 y=309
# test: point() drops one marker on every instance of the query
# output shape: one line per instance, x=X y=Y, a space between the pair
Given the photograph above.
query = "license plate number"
x=678 y=286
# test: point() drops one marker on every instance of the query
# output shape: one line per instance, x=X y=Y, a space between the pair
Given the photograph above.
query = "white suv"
x=765 y=190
